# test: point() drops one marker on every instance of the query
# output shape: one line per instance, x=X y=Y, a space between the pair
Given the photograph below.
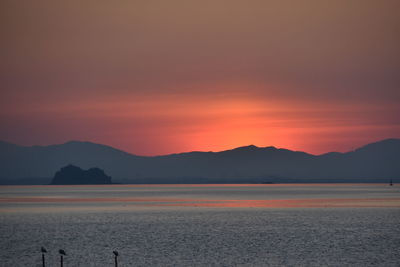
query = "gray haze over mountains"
x=376 y=162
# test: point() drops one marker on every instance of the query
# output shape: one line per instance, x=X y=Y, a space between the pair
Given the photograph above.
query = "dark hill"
x=71 y=174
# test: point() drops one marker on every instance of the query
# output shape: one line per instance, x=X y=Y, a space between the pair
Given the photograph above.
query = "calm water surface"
x=206 y=225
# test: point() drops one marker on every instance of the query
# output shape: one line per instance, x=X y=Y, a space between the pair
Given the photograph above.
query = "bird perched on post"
x=43 y=250
x=116 y=258
x=62 y=253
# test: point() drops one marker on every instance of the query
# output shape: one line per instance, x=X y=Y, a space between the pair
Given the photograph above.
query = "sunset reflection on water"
x=130 y=197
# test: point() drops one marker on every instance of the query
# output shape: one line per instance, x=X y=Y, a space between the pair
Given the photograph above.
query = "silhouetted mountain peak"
x=391 y=144
x=89 y=147
x=75 y=142
x=246 y=148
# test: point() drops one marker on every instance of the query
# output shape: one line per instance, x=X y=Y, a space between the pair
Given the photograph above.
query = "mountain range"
x=375 y=162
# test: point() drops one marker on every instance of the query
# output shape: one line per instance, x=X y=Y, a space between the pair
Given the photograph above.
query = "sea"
x=201 y=225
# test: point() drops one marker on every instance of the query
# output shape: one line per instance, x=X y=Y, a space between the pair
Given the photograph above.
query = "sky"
x=156 y=77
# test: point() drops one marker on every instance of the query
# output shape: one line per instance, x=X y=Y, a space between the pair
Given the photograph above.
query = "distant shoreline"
x=206 y=184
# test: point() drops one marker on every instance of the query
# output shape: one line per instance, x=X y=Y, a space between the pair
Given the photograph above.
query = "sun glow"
x=157 y=124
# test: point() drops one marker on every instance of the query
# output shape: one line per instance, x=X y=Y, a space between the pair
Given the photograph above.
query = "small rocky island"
x=71 y=175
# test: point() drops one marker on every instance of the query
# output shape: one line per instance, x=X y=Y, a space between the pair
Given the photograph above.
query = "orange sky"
x=160 y=77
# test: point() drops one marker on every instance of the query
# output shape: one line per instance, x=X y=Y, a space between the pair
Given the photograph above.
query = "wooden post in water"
x=116 y=258
x=62 y=253
x=43 y=250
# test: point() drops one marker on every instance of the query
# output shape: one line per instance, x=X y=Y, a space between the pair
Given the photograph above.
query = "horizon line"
x=200 y=151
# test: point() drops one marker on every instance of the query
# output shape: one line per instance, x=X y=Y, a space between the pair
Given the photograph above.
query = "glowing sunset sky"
x=157 y=77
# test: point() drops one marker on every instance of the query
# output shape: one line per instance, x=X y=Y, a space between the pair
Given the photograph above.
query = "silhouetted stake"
x=43 y=250
x=116 y=258
x=62 y=253
x=391 y=182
